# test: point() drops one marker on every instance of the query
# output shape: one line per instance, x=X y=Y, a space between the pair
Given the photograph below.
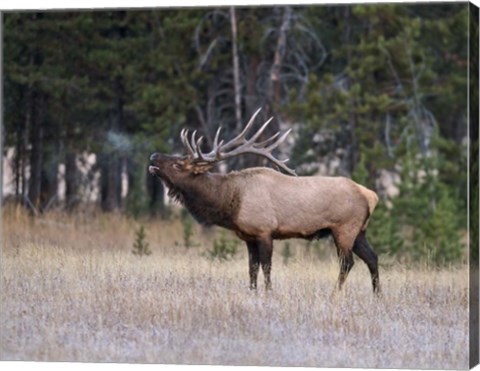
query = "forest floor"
x=71 y=290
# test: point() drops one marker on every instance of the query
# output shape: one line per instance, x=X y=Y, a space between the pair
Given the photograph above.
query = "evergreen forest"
x=374 y=92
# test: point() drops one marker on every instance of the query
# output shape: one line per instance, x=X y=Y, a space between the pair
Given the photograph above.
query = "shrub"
x=223 y=248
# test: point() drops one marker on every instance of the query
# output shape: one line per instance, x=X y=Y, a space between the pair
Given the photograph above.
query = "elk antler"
x=237 y=146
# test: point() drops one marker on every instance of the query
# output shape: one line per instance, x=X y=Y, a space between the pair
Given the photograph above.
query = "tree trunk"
x=36 y=160
x=34 y=127
x=119 y=180
x=157 y=199
x=49 y=181
x=112 y=164
x=236 y=72
x=251 y=97
x=133 y=193
x=109 y=182
x=50 y=160
x=274 y=91
x=352 y=153
x=103 y=167
x=72 y=179
x=18 y=160
x=24 y=146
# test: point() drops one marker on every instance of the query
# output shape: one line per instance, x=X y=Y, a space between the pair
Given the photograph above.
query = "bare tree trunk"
x=274 y=91
x=236 y=72
x=273 y=94
x=251 y=100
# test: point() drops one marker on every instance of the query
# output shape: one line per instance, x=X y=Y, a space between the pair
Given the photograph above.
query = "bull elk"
x=261 y=205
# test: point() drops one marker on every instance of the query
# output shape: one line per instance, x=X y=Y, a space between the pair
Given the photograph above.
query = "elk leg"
x=265 y=248
x=253 y=263
x=365 y=252
x=346 y=264
x=345 y=256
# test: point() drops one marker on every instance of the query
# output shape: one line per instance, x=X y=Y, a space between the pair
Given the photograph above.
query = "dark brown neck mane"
x=207 y=198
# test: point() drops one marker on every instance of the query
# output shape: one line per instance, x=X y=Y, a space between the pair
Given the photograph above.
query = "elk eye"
x=177 y=167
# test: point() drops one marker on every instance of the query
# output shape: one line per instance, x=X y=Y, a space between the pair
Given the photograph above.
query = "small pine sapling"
x=140 y=246
x=223 y=248
x=187 y=229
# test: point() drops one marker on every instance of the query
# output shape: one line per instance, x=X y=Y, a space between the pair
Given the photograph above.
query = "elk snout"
x=154 y=159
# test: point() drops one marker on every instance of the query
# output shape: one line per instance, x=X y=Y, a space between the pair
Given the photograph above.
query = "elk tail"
x=372 y=201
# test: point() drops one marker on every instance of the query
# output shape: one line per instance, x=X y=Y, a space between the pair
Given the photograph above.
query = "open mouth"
x=153 y=169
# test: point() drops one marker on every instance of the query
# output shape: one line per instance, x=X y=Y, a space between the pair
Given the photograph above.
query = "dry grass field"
x=71 y=290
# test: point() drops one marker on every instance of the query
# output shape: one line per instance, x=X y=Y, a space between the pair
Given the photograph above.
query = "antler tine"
x=216 y=145
x=285 y=167
x=186 y=144
x=269 y=156
x=213 y=154
x=279 y=141
x=264 y=143
x=199 y=152
x=194 y=144
x=259 y=132
x=240 y=138
x=217 y=135
x=182 y=136
x=249 y=124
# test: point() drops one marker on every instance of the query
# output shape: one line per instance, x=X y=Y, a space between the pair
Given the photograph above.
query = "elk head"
x=172 y=169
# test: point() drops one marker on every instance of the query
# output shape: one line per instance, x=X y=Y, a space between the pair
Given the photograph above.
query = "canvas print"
x=241 y=185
